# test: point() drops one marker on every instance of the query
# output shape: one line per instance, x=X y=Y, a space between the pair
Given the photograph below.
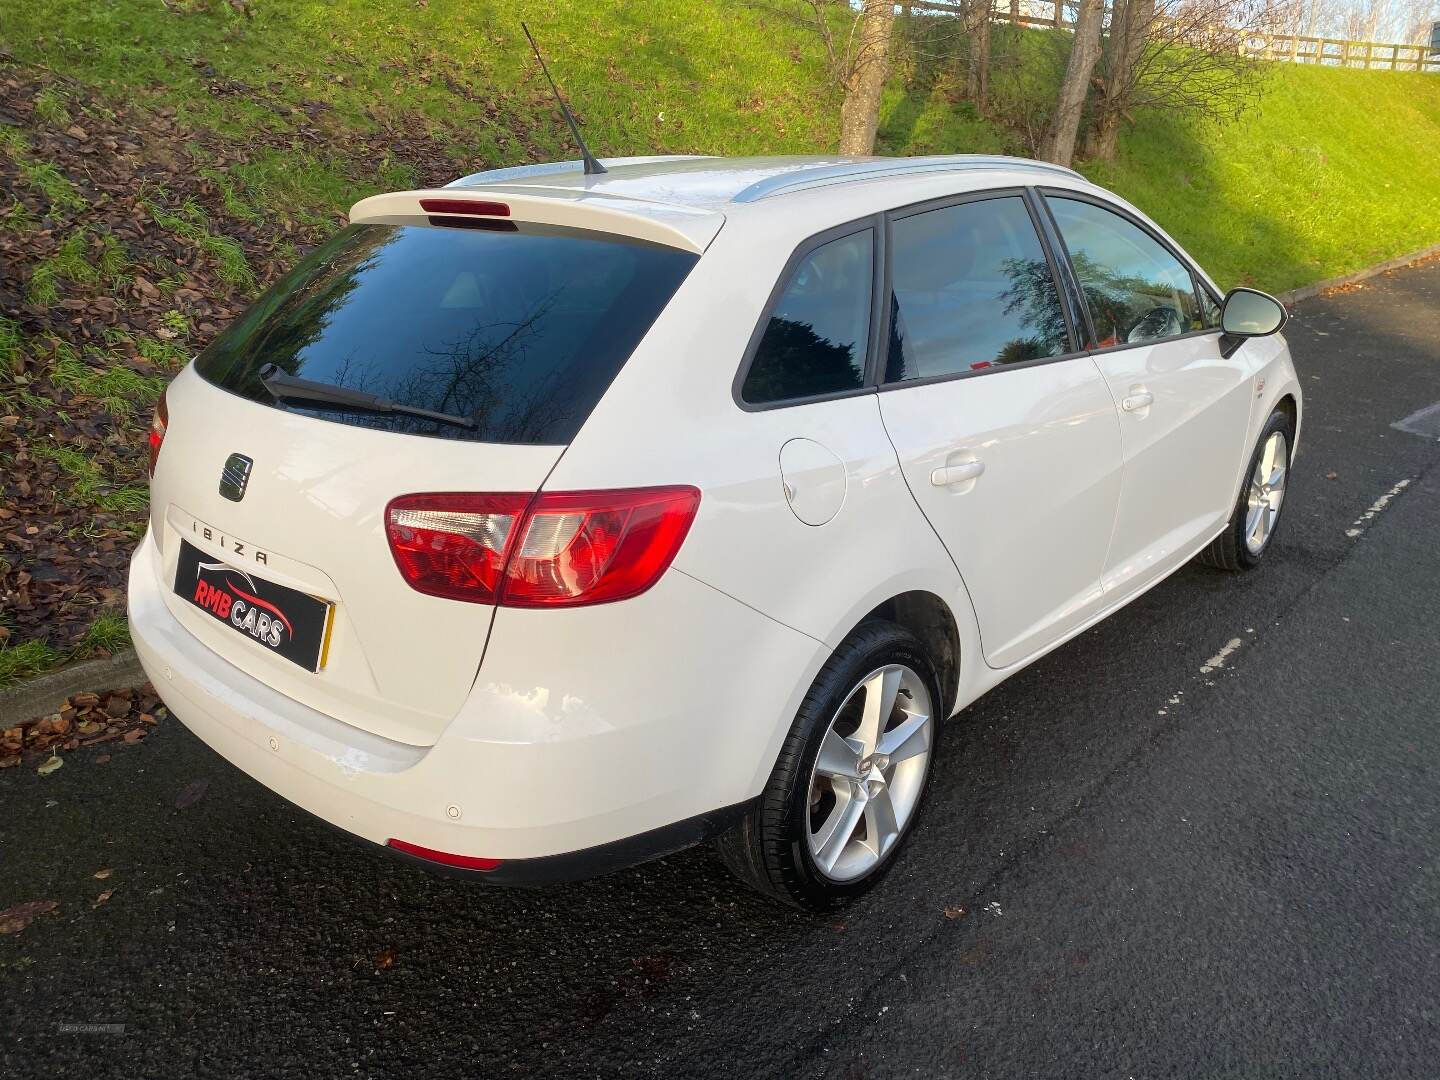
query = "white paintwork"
x=814 y=481
x=1180 y=447
x=1032 y=491
x=675 y=226
x=1030 y=532
x=315 y=507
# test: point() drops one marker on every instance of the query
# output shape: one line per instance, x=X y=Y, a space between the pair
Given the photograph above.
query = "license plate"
x=285 y=621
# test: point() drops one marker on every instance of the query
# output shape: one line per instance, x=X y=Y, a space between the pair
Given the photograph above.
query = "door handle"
x=1141 y=399
x=957 y=474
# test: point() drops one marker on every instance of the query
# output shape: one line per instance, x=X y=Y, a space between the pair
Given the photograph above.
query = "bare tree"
x=1401 y=21
x=1131 y=24
x=859 y=66
x=1177 y=55
x=977 y=77
x=1084 y=52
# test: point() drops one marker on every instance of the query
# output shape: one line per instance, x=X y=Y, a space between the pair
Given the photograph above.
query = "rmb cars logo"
x=244 y=610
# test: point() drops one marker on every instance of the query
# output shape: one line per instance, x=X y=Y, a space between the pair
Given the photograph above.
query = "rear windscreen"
x=519 y=327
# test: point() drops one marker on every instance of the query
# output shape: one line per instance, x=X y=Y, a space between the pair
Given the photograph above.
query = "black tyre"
x=1252 y=526
x=851 y=778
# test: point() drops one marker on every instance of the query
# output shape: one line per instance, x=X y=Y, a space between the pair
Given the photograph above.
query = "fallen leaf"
x=103 y=897
x=192 y=793
x=101 y=875
x=102 y=759
x=51 y=763
x=15 y=919
x=134 y=735
x=387 y=958
x=954 y=912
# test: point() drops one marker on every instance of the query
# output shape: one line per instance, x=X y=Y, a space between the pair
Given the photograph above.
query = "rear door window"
x=971 y=289
x=815 y=340
x=520 y=327
x=1136 y=290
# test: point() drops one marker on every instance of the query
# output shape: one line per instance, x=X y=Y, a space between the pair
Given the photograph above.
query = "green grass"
x=74 y=261
x=1333 y=171
x=51 y=107
x=43 y=176
x=87 y=486
x=168 y=354
x=119 y=390
x=109 y=631
x=16 y=217
x=9 y=345
x=189 y=221
x=24 y=660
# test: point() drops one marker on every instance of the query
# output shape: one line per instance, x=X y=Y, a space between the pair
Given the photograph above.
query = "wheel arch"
x=930 y=619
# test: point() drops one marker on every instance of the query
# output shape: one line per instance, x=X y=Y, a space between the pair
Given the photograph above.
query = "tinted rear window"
x=522 y=329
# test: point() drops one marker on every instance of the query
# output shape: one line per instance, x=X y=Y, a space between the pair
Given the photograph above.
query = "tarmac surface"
x=1202 y=839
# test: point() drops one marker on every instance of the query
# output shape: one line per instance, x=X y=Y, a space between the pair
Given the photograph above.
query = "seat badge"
x=235 y=476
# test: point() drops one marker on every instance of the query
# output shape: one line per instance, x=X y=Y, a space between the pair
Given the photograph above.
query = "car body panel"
x=314 y=507
x=549 y=753
x=1176 y=489
x=1029 y=534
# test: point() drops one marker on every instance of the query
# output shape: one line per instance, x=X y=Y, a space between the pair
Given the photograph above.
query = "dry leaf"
x=15 y=919
x=51 y=763
x=387 y=958
x=193 y=792
x=101 y=875
x=103 y=897
x=954 y=912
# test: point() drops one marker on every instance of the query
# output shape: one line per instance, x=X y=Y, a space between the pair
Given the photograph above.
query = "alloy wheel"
x=869 y=773
x=1267 y=491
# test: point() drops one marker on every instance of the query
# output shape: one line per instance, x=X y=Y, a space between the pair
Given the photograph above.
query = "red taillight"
x=552 y=550
x=158 y=424
x=588 y=547
x=466 y=862
x=453 y=545
x=465 y=207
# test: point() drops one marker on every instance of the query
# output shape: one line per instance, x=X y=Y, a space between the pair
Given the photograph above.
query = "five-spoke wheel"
x=869 y=773
x=1267 y=491
x=850 y=781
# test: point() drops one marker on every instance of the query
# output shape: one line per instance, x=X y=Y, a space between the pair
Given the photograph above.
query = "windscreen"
x=519 y=327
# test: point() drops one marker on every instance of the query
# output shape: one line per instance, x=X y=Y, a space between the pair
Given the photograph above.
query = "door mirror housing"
x=1251 y=313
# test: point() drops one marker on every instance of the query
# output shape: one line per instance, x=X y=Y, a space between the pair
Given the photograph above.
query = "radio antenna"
x=592 y=167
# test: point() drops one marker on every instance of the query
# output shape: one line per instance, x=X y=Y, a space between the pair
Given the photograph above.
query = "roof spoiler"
x=682 y=227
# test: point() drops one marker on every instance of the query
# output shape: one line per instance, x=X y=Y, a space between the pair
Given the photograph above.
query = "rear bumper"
x=593 y=737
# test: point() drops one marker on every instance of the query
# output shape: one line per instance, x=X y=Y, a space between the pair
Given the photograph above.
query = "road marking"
x=1425 y=423
x=1362 y=523
x=1216 y=662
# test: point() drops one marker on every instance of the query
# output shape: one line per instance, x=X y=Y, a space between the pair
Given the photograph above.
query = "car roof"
x=717 y=183
x=684 y=201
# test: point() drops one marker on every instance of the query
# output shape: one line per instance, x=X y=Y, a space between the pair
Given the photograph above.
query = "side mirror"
x=1251 y=313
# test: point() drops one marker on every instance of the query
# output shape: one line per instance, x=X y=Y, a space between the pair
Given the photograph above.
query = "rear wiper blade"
x=281 y=384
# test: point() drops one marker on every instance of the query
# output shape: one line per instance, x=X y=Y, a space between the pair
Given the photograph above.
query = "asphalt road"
x=1150 y=869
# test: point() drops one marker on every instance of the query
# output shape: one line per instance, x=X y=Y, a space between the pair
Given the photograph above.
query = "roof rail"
x=822 y=175
x=550 y=168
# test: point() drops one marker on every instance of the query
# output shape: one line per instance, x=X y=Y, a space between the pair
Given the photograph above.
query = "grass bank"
x=162 y=160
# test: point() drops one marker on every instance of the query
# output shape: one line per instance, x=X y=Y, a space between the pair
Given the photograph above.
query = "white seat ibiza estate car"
x=549 y=522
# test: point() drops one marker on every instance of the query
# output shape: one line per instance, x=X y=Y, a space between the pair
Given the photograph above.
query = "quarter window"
x=1209 y=309
x=815 y=341
x=971 y=289
x=1135 y=288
